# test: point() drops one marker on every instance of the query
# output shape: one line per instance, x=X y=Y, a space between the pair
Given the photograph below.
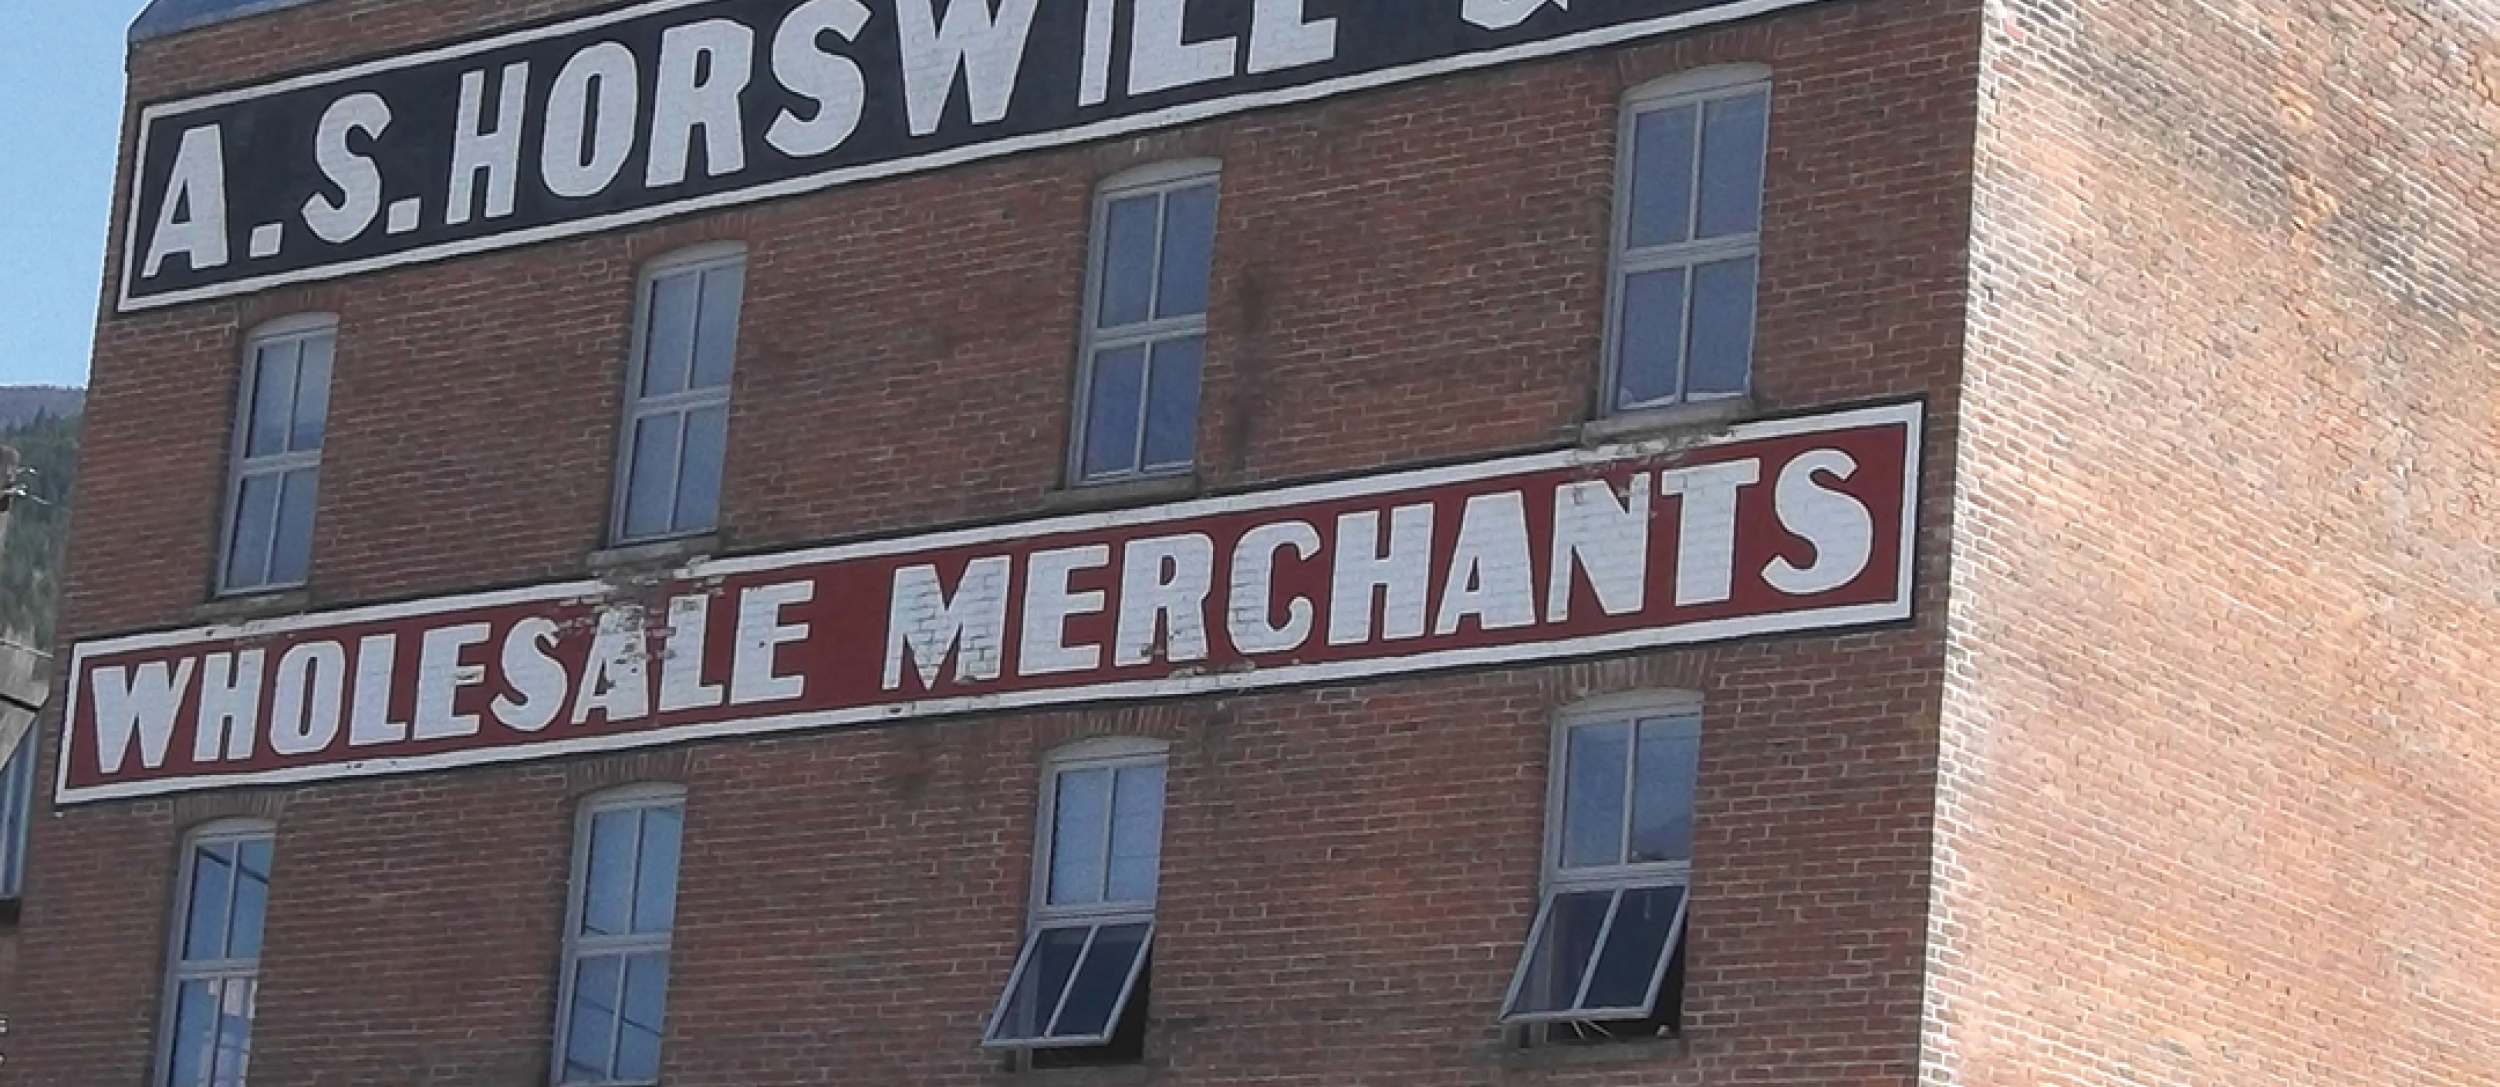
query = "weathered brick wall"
x=2218 y=761
x=1349 y=872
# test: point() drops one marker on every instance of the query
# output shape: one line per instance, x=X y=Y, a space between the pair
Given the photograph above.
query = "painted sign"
x=673 y=106
x=1786 y=525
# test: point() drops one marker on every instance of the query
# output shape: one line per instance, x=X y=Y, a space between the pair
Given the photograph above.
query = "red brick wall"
x=1349 y=872
x=2218 y=766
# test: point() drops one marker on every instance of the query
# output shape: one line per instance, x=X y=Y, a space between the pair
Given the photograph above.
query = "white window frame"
x=1635 y=709
x=694 y=260
x=577 y=895
x=17 y=807
x=1154 y=180
x=1113 y=753
x=180 y=970
x=242 y=466
x=1674 y=92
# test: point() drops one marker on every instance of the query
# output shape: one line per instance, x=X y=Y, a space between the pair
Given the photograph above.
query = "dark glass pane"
x=290 y=550
x=698 y=477
x=1662 y=791
x=1636 y=949
x=644 y=1013
x=251 y=898
x=1722 y=327
x=1136 y=833
x=1172 y=403
x=1111 y=412
x=1079 y=812
x=1128 y=261
x=1650 y=364
x=235 y=997
x=1731 y=165
x=212 y=887
x=1593 y=796
x=590 y=1030
x=312 y=394
x=1662 y=177
x=1561 y=954
x=1094 y=996
x=1188 y=252
x=255 y=521
x=273 y=397
x=655 y=883
x=195 y=1033
x=668 y=337
x=1050 y=962
x=651 y=478
x=608 y=890
x=716 y=332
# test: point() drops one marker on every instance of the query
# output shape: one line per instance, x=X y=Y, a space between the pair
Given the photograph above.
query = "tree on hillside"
x=30 y=562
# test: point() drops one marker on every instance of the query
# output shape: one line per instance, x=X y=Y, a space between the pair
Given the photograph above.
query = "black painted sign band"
x=674 y=106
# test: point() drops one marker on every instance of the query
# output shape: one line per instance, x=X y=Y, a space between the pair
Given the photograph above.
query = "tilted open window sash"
x=1087 y=952
x=1597 y=955
x=1071 y=985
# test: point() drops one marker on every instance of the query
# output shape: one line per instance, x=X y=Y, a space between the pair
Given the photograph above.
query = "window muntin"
x=1687 y=242
x=17 y=802
x=676 y=436
x=1145 y=329
x=612 y=1011
x=1618 y=866
x=214 y=977
x=1100 y=851
x=275 y=482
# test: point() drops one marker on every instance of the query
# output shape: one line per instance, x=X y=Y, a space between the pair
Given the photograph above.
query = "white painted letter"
x=141 y=707
x=704 y=68
x=358 y=180
x=495 y=154
x=1835 y=522
x=532 y=672
x=761 y=634
x=988 y=52
x=832 y=80
x=195 y=191
x=1705 y=536
x=1164 y=584
x=590 y=121
x=681 y=661
x=369 y=713
x=1605 y=534
x=311 y=694
x=1490 y=573
x=440 y=676
x=229 y=706
x=1279 y=38
x=1403 y=575
x=1157 y=58
x=614 y=681
x=1094 y=75
x=1250 y=617
x=923 y=625
x=1049 y=604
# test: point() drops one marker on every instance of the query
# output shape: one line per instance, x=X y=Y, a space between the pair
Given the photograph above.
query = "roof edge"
x=165 y=18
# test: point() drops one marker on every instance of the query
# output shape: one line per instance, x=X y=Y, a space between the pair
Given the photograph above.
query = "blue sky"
x=62 y=73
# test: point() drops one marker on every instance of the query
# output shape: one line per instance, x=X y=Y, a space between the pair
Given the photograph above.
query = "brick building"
x=1867 y=542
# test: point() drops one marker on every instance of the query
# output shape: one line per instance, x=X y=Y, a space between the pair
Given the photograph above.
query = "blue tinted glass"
x=1662 y=804
x=255 y=523
x=1722 y=355
x=1593 y=796
x=1111 y=412
x=1128 y=261
x=1049 y=964
x=1136 y=833
x=655 y=882
x=1636 y=949
x=1563 y=947
x=590 y=1032
x=1188 y=252
x=1662 y=177
x=212 y=887
x=698 y=479
x=1731 y=165
x=1172 y=403
x=651 y=477
x=1094 y=994
x=312 y=394
x=273 y=397
x=234 y=1030
x=643 y=1017
x=1082 y=807
x=290 y=549
x=608 y=892
x=195 y=1033
x=1649 y=367
x=668 y=335
x=716 y=330
x=251 y=898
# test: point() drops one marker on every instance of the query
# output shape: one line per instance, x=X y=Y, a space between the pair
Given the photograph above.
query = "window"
x=614 y=998
x=276 y=477
x=1145 y=336
x=1619 y=841
x=222 y=899
x=17 y=802
x=1077 y=982
x=1688 y=225
x=677 y=402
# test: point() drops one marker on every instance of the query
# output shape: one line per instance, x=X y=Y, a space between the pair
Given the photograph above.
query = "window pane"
x=1172 y=404
x=1662 y=806
x=194 y=1034
x=1636 y=949
x=716 y=334
x=1094 y=995
x=698 y=477
x=668 y=338
x=1593 y=796
x=1079 y=812
x=1111 y=408
x=1561 y=955
x=639 y=1027
x=1662 y=177
x=1128 y=261
x=1731 y=165
x=251 y=898
x=1050 y=962
x=590 y=1031
x=312 y=394
x=1722 y=326
x=212 y=887
x=651 y=477
x=273 y=396
x=1651 y=354
x=1136 y=833
x=608 y=891
x=655 y=882
x=234 y=1030
x=1188 y=252
x=290 y=553
x=255 y=520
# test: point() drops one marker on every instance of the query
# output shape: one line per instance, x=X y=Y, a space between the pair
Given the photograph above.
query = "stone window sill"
x=245 y=607
x=1135 y=492
x=1679 y=421
x=1579 y=1056
x=655 y=554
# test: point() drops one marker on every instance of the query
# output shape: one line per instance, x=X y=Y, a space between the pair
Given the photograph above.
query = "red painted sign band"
x=1778 y=526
